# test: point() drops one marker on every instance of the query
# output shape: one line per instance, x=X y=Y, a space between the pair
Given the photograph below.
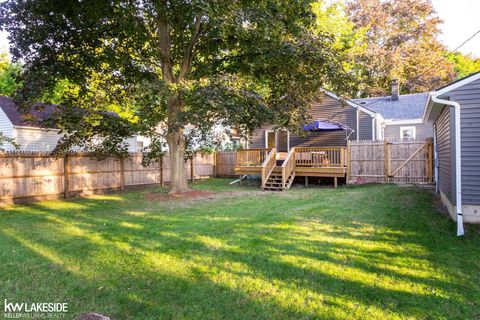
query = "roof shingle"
x=38 y=113
x=408 y=106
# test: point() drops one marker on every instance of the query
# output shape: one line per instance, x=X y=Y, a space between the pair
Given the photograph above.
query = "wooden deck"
x=278 y=171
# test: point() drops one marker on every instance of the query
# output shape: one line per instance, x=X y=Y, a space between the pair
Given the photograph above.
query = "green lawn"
x=369 y=252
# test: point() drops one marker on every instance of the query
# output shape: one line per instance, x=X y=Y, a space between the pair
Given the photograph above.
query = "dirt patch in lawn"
x=192 y=194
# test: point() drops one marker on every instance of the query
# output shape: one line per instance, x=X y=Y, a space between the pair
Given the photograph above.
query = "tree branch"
x=189 y=50
x=165 y=47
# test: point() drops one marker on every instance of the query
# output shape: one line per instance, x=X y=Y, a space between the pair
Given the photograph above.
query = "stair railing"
x=268 y=165
x=287 y=167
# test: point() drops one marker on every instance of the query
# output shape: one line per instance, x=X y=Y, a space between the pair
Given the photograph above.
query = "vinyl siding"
x=444 y=149
x=364 y=126
x=33 y=139
x=468 y=96
x=331 y=109
x=6 y=128
x=423 y=131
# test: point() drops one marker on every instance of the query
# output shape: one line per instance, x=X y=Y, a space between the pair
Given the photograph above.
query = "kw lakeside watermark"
x=35 y=310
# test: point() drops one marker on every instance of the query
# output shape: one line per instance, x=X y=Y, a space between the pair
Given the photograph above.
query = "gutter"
x=458 y=161
x=36 y=128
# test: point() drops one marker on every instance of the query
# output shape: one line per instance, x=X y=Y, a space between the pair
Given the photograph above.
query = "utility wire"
x=435 y=64
x=447 y=55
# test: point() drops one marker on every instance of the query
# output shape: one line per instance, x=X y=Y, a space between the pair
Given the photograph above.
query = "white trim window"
x=408 y=133
x=273 y=140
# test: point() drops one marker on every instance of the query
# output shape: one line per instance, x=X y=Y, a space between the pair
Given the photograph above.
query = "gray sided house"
x=402 y=115
x=454 y=111
x=361 y=123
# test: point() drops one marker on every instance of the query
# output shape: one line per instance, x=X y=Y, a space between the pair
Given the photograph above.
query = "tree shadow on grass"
x=251 y=260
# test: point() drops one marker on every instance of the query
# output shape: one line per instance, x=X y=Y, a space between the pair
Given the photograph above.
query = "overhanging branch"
x=189 y=50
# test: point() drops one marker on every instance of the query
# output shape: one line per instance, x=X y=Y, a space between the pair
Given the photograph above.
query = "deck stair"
x=274 y=181
x=277 y=173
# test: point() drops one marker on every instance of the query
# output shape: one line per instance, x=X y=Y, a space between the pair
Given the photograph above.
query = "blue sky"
x=461 y=20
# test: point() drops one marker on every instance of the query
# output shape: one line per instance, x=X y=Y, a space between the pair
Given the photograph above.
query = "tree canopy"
x=8 y=72
x=155 y=66
x=400 y=41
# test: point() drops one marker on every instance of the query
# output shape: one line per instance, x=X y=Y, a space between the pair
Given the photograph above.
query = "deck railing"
x=268 y=165
x=251 y=157
x=320 y=157
x=287 y=167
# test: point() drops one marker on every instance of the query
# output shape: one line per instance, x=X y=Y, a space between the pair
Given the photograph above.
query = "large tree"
x=464 y=64
x=160 y=65
x=400 y=41
x=8 y=73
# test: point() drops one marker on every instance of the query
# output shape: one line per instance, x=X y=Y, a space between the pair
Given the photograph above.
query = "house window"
x=407 y=133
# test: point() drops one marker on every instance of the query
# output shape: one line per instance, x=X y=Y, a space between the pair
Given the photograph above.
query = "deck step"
x=272 y=189
x=274 y=182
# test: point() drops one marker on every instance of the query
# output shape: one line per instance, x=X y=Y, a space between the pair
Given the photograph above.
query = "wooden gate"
x=390 y=161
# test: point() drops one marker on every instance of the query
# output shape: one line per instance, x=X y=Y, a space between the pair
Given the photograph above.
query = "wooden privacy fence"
x=225 y=164
x=390 y=162
x=34 y=174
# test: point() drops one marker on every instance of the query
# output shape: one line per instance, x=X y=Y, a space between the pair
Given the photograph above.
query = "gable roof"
x=408 y=106
x=430 y=113
x=351 y=103
x=38 y=113
x=457 y=84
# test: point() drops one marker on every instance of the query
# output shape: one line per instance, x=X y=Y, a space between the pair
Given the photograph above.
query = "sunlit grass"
x=371 y=252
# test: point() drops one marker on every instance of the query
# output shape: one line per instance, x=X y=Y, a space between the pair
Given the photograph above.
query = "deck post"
x=240 y=180
x=335 y=182
x=306 y=182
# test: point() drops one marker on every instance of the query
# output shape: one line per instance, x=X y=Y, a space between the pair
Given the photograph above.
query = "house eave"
x=36 y=128
x=371 y=113
x=403 y=121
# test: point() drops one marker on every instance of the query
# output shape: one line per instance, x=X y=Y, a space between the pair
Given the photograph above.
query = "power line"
x=447 y=55
x=435 y=64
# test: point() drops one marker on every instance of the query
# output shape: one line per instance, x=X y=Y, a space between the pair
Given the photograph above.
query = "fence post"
x=66 y=173
x=161 y=170
x=215 y=164
x=386 y=157
x=192 y=177
x=347 y=158
x=122 y=173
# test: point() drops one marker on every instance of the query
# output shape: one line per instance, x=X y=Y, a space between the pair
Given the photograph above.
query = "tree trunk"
x=176 y=145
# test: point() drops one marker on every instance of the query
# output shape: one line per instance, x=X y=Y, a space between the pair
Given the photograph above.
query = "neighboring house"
x=402 y=115
x=454 y=111
x=31 y=136
x=357 y=122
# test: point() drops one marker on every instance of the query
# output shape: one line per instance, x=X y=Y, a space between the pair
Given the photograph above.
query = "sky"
x=461 y=20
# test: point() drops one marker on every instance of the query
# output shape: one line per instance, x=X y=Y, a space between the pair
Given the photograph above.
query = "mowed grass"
x=369 y=252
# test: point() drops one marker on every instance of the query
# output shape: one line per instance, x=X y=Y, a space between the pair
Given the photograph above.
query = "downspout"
x=458 y=162
x=435 y=158
x=358 y=124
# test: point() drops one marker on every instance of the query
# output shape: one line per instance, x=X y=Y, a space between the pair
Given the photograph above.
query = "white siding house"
x=31 y=137
x=6 y=128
